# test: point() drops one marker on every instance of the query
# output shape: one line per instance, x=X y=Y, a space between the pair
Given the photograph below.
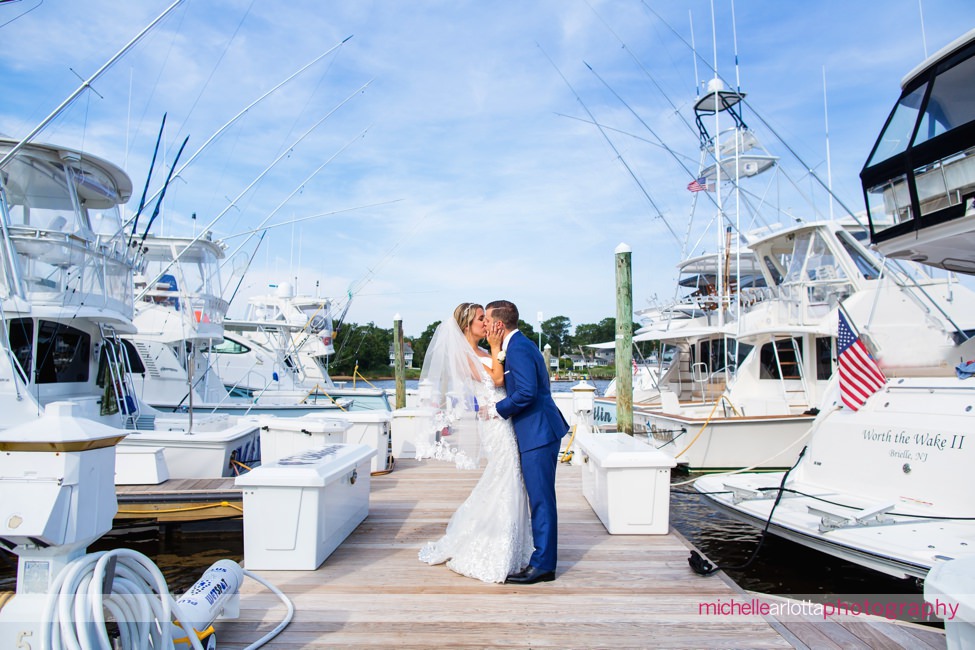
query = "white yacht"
x=66 y=296
x=180 y=321
x=881 y=484
x=279 y=351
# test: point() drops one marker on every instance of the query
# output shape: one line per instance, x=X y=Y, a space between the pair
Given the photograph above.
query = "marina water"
x=184 y=551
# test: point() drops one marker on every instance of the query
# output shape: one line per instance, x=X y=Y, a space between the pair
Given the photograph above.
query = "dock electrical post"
x=624 y=339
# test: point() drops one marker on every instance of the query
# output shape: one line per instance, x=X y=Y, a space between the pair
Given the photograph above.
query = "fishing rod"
x=300 y=186
x=300 y=219
x=162 y=193
x=233 y=202
x=145 y=188
x=619 y=156
x=85 y=84
x=240 y=114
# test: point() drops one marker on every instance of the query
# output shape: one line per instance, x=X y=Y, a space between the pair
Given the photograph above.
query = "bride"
x=490 y=535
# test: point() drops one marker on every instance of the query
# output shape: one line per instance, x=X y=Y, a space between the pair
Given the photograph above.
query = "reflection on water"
x=781 y=567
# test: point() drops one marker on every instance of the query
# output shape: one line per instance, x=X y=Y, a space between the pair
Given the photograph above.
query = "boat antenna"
x=619 y=156
x=162 y=192
x=85 y=84
x=145 y=188
x=829 y=168
x=924 y=39
x=734 y=38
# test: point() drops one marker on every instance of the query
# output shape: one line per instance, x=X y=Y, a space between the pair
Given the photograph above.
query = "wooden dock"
x=611 y=591
x=180 y=500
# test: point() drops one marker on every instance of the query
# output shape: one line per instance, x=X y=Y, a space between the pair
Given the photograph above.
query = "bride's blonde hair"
x=465 y=314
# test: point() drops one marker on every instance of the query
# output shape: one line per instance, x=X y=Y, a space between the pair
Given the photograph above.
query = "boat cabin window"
x=773 y=270
x=824 y=358
x=780 y=359
x=866 y=265
x=38 y=195
x=228 y=346
x=63 y=353
x=21 y=335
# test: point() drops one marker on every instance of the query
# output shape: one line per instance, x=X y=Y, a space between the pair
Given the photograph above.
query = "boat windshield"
x=924 y=160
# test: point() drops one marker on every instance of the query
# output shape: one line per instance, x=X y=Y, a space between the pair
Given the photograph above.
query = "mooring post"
x=624 y=340
x=399 y=364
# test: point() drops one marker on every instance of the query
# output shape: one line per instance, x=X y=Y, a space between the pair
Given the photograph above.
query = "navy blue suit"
x=539 y=427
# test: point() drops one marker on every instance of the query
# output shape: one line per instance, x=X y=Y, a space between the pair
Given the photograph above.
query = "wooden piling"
x=400 y=365
x=624 y=340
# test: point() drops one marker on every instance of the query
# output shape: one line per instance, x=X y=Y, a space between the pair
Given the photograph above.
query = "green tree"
x=555 y=332
x=422 y=342
x=365 y=345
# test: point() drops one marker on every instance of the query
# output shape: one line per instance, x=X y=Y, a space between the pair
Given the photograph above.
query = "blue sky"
x=479 y=174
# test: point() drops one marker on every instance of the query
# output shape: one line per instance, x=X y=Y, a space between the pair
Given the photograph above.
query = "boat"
x=180 y=322
x=67 y=298
x=878 y=482
x=280 y=349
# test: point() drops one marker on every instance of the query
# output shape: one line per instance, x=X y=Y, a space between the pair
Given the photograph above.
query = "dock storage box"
x=297 y=510
x=412 y=427
x=371 y=428
x=627 y=483
x=282 y=437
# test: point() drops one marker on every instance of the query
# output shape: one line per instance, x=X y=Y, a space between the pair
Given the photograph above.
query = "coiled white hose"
x=139 y=601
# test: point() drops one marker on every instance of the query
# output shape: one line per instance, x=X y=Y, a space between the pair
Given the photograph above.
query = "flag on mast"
x=860 y=376
x=698 y=185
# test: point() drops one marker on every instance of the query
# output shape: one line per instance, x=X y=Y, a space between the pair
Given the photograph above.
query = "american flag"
x=698 y=185
x=860 y=377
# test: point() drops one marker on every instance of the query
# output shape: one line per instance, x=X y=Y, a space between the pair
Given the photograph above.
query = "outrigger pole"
x=85 y=84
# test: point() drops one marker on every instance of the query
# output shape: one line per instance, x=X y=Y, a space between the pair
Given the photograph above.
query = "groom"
x=539 y=427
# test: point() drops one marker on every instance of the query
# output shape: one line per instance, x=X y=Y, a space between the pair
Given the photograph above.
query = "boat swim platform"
x=612 y=591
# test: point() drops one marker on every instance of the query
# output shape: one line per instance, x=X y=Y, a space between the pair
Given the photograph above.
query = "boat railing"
x=68 y=269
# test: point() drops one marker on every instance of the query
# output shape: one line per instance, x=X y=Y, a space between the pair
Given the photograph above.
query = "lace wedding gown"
x=490 y=534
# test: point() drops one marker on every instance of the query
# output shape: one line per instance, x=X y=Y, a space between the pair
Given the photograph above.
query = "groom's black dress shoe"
x=530 y=576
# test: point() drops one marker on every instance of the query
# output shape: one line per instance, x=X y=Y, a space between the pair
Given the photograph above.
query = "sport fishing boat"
x=180 y=323
x=67 y=297
x=878 y=482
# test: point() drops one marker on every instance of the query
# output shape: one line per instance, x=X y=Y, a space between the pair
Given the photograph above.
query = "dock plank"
x=619 y=591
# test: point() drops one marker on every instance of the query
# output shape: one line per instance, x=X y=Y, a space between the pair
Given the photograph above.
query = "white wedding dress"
x=490 y=534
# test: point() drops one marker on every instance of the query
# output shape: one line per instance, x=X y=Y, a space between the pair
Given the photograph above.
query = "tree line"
x=367 y=346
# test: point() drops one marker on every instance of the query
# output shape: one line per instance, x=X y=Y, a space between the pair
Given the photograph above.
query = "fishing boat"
x=878 y=483
x=180 y=323
x=67 y=298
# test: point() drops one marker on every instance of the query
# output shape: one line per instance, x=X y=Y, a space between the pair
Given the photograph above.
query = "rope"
x=708 y=422
x=567 y=454
x=221 y=504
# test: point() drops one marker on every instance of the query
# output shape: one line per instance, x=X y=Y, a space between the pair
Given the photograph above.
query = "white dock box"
x=297 y=510
x=371 y=428
x=282 y=436
x=627 y=483
x=412 y=427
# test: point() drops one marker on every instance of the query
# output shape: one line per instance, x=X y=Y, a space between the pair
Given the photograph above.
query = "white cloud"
x=497 y=192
